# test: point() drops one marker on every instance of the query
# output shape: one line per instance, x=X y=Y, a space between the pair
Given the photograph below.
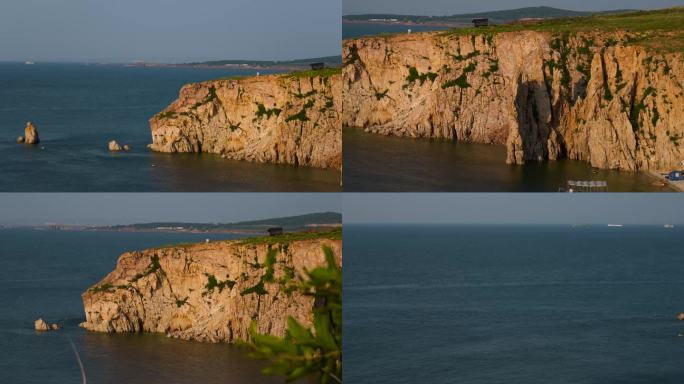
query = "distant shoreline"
x=404 y=23
x=131 y=229
x=284 y=68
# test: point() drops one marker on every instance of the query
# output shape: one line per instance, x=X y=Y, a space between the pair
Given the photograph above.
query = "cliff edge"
x=210 y=291
x=600 y=93
x=284 y=119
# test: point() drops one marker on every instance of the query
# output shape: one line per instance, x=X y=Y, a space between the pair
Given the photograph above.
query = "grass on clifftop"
x=326 y=72
x=647 y=28
x=335 y=234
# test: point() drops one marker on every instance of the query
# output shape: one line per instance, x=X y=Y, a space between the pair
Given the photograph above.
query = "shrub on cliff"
x=303 y=351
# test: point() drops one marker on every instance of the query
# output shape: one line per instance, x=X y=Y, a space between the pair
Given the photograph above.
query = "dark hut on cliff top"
x=317 y=66
x=480 y=22
x=275 y=231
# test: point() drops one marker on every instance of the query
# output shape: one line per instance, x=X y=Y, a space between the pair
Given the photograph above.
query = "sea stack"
x=114 y=146
x=30 y=134
x=41 y=325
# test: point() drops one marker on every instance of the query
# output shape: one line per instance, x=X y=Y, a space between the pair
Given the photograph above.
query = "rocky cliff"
x=594 y=96
x=207 y=292
x=286 y=119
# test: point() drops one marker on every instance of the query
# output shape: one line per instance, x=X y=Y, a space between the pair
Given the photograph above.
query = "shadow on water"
x=379 y=163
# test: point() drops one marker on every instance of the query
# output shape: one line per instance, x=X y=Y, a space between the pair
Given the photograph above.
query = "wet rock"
x=31 y=134
x=681 y=316
x=20 y=139
x=41 y=325
x=114 y=146
x=55 y=327
x=126 y=147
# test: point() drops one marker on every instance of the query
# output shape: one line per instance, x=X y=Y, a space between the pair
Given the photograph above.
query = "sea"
x=513 y=304
x=42 y=275
x=354 y=30
x=377 y=163
x=79 y=108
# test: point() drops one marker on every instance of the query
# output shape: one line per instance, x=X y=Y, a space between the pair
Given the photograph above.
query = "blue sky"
x=127 y=208
x=514 y=208
x=168 y=30
x=450 y=7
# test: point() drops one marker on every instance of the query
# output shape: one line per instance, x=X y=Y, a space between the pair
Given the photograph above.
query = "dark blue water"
x=376 y=163
x=353 y=30
x=43 y=273
x=487 y=304
x=79 y=108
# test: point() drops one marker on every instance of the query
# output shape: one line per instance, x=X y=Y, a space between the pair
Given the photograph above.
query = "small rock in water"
x=114 y=146
x=31 y=134
x=681 y=316
x=40 y=325
x=126 y=147
x=55 y=327
x=20 y=139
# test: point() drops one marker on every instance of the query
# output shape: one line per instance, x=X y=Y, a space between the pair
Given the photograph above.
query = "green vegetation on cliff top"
x=326 y=72
x=335 y=234
x=648 y=28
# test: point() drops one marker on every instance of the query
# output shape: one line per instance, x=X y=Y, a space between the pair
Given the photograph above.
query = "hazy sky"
x=483 y=208
x=124 y=208
x=450 y=7
x=168 y=30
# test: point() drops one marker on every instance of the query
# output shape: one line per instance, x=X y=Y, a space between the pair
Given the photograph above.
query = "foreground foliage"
x=308 y=352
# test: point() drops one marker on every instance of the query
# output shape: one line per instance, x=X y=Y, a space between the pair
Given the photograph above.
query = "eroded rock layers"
x=596 y=97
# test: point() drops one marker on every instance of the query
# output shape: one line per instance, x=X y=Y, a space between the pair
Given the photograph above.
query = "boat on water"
x=668 y=225
x=585 y=186
x=616 y=225
x=29 y=62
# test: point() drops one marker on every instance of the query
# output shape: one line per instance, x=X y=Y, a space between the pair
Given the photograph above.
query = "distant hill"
x=331 y=61
x=290 y=223
x=496 y=17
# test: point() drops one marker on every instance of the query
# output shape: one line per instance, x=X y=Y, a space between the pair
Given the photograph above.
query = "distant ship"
x=615 y=225
x=29 y=62
x=668 y=225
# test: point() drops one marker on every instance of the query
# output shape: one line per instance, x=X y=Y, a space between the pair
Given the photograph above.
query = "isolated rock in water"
x=55 y=327
x=41 y=325
x=114 y=146
x=20 y=139
x=681 y=316
x=31 y=134
x=126 y=147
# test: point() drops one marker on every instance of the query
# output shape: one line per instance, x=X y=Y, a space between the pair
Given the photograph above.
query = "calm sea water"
x=79 y=108
x=353 y=30
x=43 y=273
x=516 y=304
x=380 y=163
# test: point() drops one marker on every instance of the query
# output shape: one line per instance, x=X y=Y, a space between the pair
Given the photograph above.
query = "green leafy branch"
x=309 y=352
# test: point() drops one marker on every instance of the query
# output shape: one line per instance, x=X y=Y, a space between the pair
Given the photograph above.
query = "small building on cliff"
x=317 y=66
x=275 y=231
x=480 y=22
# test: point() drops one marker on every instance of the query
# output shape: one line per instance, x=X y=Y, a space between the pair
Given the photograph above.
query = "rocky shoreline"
x=589 y=96
x=283 y=119
x=208 y=292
